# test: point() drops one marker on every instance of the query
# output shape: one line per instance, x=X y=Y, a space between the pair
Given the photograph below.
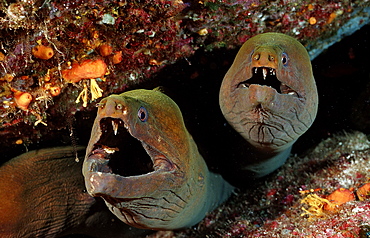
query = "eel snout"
x=267 y=76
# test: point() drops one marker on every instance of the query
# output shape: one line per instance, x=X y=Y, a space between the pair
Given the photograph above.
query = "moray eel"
x=43 y=195
x=143 y=162
x=269 y=97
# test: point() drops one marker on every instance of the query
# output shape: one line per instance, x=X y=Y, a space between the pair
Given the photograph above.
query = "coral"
x=83 y=95
x=96 y=91
x=316 y=206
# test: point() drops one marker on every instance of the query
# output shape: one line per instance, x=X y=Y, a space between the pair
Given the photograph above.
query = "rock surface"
x=140 y=39
x=275 y=206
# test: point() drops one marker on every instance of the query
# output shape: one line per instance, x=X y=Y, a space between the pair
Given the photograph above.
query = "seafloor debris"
x=275 y=206
x=42 y=41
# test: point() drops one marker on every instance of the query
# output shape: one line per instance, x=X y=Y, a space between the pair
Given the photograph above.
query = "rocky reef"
x=302 y=199
x=187 y=46
x=330 y=157
x=45 y=45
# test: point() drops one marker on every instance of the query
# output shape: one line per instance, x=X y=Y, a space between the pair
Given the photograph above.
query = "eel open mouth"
x=118 y=152
x=267 y=76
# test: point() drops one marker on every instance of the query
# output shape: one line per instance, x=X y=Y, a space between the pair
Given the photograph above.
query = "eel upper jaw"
x=267 y=76
x=118 y=152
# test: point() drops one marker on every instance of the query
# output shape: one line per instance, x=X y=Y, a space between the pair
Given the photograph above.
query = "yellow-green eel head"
x=143 y=162
x=269 y=96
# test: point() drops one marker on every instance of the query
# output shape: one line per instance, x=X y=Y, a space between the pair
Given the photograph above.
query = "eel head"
x=133 y=159
x=269 y=94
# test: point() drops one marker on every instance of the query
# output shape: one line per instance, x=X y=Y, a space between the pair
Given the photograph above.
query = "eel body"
x=42 y=194
x=143 y=162
x=269 y=97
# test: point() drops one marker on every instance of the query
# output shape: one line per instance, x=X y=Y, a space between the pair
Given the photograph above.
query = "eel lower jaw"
x=102 y=181
x=268 y=77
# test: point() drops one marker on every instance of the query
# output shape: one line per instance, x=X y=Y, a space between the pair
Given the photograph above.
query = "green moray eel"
x=269 y=97
x=42 y=194
x=143 y=162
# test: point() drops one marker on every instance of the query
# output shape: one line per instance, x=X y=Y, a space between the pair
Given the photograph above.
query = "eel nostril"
x=256 y=57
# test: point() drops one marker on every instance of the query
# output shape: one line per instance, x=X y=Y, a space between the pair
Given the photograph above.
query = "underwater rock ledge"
x=274 y=208
x=131 y=41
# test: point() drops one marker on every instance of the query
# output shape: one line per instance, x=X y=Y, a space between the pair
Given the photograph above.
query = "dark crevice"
x=257 y=78
x=130 y=158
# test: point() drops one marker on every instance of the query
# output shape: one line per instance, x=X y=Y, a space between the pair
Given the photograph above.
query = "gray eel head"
x=269 y=94
x=138 y=159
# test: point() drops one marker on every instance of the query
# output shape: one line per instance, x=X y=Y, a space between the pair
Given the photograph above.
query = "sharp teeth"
x=264 y=72
x=109 y=150
x=255 y=70
x=115 y=127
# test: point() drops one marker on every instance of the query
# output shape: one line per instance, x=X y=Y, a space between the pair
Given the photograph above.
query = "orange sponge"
x=87 y=69
x=42 y=52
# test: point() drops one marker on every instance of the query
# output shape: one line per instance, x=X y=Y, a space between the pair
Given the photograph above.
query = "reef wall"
x=323 y=194
x=60 y=57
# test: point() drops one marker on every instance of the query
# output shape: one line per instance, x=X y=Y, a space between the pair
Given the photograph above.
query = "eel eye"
x=142 y=114
x=284 y=59
x=119 y=106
